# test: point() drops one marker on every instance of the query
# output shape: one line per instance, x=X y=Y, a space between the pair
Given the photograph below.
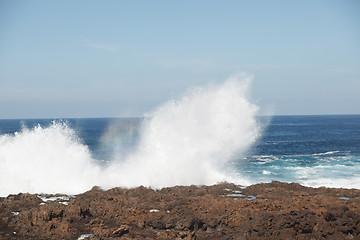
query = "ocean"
x=210 y=135
x=311 y=150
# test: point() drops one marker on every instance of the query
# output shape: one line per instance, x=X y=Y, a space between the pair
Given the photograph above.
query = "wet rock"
x=277 y=211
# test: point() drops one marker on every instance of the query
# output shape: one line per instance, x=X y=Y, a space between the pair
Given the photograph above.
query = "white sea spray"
x=45 y=160
x=185 y=141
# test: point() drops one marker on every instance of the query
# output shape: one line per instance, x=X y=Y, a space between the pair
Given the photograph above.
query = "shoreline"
x=273 y=210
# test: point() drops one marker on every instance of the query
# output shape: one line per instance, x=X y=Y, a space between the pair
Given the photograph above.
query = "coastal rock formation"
x=225 y=211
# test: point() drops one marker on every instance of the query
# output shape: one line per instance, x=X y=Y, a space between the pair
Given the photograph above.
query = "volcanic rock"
x=225 y=211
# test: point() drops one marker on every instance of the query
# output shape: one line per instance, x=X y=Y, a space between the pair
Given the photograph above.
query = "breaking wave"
x=186 y=141
x=45 y=159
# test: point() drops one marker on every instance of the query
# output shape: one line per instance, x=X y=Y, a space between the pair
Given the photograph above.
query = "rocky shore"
x=225 y=211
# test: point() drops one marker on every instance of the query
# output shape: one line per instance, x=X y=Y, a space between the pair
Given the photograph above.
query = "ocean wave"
x=45 y=159
x=186 y=141
x=353 y=182
x=325 y=153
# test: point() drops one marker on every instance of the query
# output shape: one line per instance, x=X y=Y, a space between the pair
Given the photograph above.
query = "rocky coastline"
x=273 y=210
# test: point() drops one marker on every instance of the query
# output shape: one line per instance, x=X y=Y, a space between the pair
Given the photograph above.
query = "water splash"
x=45 y=159
x=186 y=141
x=191 y=140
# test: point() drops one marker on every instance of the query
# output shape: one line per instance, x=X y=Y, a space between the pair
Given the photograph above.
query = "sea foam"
x=45 y=159
x=185 y=141
x=191 y=140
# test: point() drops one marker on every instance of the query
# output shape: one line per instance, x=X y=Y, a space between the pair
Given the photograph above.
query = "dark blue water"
x=290 y=135
x=313 y=150
x=99 y=134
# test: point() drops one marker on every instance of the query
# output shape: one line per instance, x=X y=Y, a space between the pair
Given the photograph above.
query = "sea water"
x=209 y=135
x=311 y=150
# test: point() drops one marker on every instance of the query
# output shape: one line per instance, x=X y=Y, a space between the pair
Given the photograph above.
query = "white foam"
x=45 y=159
x=186 y=141
x=336 y=175
x=353 y=182
x=190 y=141
x=84 y=236
x=235 y=195
x=325 y=153
x=54 y=198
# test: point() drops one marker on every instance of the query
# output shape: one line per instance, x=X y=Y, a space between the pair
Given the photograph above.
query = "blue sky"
x=124 y=58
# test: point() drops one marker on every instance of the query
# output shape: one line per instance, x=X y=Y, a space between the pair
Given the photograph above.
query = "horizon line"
x=128 y=117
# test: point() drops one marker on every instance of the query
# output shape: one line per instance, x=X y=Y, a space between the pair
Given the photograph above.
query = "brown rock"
x=265 y=211
x=123 y=229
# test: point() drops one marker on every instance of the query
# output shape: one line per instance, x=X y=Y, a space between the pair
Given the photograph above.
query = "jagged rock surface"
x=224 y=211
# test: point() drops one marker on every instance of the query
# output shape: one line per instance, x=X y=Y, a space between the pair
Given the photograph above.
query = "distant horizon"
x=276 y=115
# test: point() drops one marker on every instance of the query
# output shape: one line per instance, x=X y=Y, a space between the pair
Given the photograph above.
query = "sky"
x=63 y=59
